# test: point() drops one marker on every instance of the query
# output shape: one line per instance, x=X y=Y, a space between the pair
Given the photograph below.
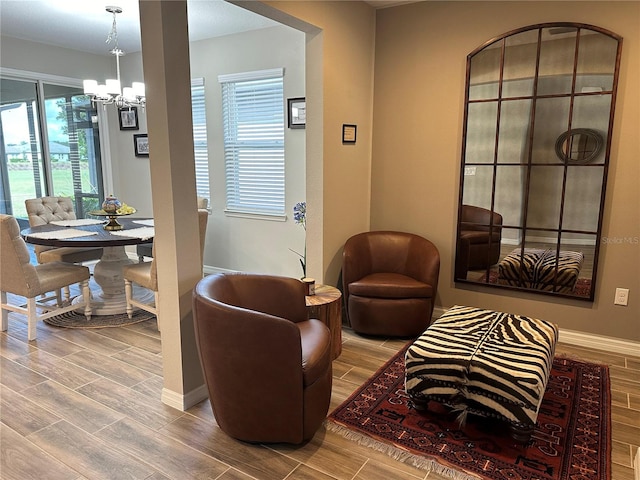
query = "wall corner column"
x=165 y=55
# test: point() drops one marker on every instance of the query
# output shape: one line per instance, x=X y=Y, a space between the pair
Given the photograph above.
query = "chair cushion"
x=140 y=273
x=390 y=285
x=316 y=343
x=55 y=275
x=478 y=236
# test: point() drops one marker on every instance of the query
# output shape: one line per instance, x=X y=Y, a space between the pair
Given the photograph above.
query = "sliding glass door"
x=49 y=145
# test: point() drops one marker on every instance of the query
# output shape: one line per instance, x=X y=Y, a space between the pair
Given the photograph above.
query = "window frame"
x=254 y=146
x=200 y=141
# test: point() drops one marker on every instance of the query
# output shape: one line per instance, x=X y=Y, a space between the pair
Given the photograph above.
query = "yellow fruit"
x=125 y=209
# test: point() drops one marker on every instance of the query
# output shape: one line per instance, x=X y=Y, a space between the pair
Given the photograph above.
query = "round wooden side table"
x=326 y=306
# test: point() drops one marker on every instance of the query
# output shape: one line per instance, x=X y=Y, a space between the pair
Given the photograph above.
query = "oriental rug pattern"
x=571 y=441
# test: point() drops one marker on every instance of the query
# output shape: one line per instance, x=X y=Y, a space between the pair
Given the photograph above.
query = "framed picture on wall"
x=349 y=133
x=128 y=118
x=297 y=112
x=141 y=145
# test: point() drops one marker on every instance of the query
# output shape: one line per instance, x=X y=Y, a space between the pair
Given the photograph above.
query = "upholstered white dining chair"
x=145 y=273
x=44 y=210
x=19 y=277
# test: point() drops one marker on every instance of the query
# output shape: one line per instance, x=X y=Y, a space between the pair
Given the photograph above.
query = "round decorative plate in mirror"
x=581 y=145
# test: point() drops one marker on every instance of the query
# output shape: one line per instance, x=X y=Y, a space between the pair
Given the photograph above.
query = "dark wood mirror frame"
x=531 y=202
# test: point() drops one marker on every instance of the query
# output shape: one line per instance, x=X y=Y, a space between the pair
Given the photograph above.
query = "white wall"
x=232 y=243
x=37 y=57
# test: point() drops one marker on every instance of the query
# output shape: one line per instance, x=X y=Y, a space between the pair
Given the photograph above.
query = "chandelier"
x=111 y=91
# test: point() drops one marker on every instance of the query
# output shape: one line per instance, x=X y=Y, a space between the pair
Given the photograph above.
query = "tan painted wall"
x=421 y=54
x=339 y=90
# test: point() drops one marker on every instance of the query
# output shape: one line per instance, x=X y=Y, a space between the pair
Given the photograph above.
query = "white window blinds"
x=201 y=154
x=253 y=123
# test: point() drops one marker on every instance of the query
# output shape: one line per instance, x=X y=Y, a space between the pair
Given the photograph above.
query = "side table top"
x=324 y=294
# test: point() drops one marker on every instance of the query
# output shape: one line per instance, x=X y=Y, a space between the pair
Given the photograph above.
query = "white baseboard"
x=600 y=342
x=588 y=340
x=208 y=270
x=184 y=402
x=211 y=270
x=636 y=465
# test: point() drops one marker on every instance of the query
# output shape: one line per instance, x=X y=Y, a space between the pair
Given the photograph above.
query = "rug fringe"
x=578 y=358
x=422 y=462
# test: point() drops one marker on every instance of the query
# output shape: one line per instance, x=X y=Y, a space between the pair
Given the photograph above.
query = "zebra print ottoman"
x=538 y=269
x=483 y=362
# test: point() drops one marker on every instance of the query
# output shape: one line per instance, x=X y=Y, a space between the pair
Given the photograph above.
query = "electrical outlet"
x=622 y=296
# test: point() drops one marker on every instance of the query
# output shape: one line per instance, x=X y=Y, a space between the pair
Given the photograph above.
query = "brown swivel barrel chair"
x=390 y=280
x=266 y=366
x=479 y=241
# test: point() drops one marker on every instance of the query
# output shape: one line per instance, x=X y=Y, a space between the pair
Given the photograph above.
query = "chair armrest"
x=315 y=338
x=277 y=296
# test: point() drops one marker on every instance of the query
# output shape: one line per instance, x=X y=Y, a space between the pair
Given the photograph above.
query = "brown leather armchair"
x=266 y=366
x=479 y=241
x=390 y=280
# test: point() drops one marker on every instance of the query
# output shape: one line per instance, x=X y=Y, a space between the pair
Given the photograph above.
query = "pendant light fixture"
x=111 y=92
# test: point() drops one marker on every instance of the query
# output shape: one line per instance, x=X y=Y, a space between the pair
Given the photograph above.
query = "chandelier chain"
x=113 y=34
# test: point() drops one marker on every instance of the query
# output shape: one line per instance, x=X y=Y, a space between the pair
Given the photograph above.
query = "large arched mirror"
x=539 y=110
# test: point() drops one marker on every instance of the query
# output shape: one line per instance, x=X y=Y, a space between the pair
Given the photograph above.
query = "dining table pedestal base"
x=107 y=273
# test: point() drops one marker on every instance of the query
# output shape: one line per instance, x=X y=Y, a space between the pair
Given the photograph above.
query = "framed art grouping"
x=297 y=112
x=128 y=118
x=141 y=145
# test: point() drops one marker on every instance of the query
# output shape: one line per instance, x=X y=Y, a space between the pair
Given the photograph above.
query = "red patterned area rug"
x=571 y=441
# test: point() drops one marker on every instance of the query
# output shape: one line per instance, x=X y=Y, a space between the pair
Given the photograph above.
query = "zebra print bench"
x=537 y=269
x=483 y=362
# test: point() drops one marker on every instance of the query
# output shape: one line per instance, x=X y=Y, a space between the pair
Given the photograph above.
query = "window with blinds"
x=253 y=123
x=198 y=112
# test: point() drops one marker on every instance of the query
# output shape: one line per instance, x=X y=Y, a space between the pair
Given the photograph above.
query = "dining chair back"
x=145 y=249
x=44 y=210
x=19 y=277
x=145 y=273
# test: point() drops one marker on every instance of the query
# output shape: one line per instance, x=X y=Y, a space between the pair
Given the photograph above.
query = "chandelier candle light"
x=111 y=92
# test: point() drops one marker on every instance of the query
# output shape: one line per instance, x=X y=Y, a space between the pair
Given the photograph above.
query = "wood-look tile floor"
x=85 y=404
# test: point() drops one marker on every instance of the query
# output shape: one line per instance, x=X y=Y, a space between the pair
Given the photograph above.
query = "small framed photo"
x=297 y=108
x=141 y=145
x=349 y=133
x=128 y=118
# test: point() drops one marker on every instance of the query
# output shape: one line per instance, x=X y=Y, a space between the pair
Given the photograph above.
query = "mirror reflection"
x=579 y=145
x=538 y=115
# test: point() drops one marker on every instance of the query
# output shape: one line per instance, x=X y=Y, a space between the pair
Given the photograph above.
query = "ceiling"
x=84 y=24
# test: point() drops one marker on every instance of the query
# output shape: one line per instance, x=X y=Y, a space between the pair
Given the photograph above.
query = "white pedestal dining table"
x=109 y=299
